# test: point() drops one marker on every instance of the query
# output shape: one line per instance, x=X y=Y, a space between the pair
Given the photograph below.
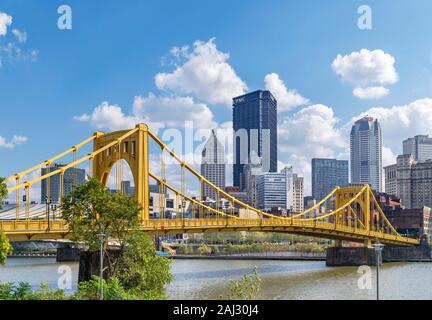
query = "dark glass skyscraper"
x=255 y=132
x=326 y=175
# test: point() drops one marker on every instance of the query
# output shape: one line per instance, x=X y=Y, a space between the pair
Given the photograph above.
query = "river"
x=207 y=279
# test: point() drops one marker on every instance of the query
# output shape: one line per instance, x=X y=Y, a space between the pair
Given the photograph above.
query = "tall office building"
x=255 y=132
x=297 y=205
x=411 y=181
x=271 y=190
x=326 y=175
x=213 y=166
x=72 y=177
x=366 y=153
x=420 y=147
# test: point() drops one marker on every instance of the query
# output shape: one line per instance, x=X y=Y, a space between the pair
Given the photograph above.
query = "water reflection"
x=208 y=279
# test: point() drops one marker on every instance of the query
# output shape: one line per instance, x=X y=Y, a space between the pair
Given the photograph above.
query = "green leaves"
x=113 y=290
x=91 y=209
x=247 y=288
x=5 y=248
x=23 y=291
x=141 y=271
x=134 y=270
x=3 y=191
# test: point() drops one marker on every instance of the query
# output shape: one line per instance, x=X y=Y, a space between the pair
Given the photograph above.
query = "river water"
x=207 y=279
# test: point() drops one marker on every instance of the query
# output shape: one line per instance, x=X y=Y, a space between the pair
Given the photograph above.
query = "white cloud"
x=287 y=99
x=311 y=132
x=370 y=92
x=20 y=35
x=16 y=140
x=157 y=112
x=5 y=21
x=106 y=116
x=173 y=111
x=314 y=131
x=401 y=122
x=366 y=67
x=5 y=144
x=204 y=73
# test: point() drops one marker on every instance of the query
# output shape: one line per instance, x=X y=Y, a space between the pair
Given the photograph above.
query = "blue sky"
x=116 y=48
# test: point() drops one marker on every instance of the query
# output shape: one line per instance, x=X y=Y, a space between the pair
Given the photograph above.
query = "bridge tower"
x=133 y=150
x=362 y=209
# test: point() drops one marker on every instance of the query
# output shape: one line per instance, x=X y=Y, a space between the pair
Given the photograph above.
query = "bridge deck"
x=56 y=229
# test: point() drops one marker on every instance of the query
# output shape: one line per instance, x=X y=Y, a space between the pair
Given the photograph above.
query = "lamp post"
x=378 y=248
x=101 y=240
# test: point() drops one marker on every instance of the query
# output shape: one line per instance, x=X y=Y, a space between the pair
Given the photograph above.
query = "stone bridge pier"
x=349 y=256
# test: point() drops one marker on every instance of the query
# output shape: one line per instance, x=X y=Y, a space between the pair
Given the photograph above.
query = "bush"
x=204 y=249
x=23 y=291
x=247 y=288
x=112 y=290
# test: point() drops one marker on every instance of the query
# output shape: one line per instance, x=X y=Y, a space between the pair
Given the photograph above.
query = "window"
x=170 y=203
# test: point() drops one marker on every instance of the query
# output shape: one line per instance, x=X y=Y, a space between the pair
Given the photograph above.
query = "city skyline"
x=315 y=113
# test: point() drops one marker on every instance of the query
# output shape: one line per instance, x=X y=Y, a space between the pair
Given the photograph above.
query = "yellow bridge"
x=356 y=216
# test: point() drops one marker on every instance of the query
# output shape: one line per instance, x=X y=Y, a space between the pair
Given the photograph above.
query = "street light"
x=101 y=240
x=378 y=248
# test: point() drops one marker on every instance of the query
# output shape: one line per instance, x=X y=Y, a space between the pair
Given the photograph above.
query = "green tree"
x=247 y=288
x=3 y=191
x=90 y=210
x=141 y=271
x=5 y=247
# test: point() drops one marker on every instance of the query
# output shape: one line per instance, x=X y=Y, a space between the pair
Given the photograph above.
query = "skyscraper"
x=366 y=153
x=72 y=177
x=213 y=166
x=255 y=128
x=271 y=190
x=326 y=175
x=420 y=147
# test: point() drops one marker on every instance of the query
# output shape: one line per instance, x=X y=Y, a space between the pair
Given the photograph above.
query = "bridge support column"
x=408 y=253
x=346 y=256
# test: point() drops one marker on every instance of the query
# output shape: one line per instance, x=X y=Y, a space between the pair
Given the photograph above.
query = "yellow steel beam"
x=50 y=161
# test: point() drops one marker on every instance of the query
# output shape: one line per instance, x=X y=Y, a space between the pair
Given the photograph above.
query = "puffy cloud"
x=156 y=111
x=401 y=122
x=311 y=132
x=314 y=131
x=5 y=21
x=16 y=140
x=106 y=116
x=370 y=92
x=173 y=111
x=287 y=99
x=204 y=73
x=366 y=68
x=20 y=35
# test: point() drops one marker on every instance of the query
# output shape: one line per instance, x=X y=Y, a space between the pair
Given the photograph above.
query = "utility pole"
x=101 y=240
x=378 y=248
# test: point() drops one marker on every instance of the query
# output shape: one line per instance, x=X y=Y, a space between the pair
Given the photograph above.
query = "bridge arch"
x=134 y=151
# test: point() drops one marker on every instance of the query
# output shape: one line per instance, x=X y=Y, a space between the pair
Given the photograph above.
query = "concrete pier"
x=68 y=254
x=347 y=256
